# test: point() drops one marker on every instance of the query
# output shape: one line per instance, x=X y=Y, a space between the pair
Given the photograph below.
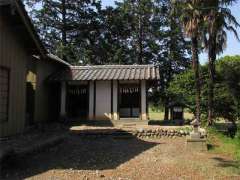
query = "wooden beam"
x=63 y=99
x=143 y=100
x=111 y=99
x=115 y=101
x=88 y=94
x=118 y=100
x=94 y=101
x=147 y=100
x=91 y=100
x=5 y=2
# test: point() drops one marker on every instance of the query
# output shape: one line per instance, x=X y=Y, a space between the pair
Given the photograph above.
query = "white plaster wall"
x=103 y=100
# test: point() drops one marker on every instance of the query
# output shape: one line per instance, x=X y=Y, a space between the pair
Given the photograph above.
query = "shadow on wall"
x=80 y=153
x=30 y=103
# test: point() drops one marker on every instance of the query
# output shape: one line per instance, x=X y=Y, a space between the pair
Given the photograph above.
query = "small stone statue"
x=195 y=123
x=194 y=141
x=195 y=134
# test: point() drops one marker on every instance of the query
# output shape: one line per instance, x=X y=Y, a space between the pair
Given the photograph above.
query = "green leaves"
x=133 y=31
x=62 y=25
x=227 y=88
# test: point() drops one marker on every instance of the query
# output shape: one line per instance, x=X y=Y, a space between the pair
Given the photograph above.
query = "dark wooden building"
x=36 y=86
x=24 y=66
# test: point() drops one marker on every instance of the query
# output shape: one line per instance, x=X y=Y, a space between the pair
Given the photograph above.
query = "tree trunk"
x=166 y=110
x=195 y=65
x=140 y=40
x=140 y=34
x=211 y=71
x=64 y=33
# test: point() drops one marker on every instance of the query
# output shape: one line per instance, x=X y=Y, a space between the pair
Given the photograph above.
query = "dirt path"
x=109 y=158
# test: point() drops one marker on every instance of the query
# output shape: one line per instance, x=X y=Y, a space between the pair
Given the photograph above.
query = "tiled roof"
x=108 y=72
x=57 y=59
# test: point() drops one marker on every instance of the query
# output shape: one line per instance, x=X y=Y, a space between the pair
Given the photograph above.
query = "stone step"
x=114 y=133
x=129 y=124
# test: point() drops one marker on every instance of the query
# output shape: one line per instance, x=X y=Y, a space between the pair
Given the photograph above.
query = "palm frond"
x=229 y=17
x=233 y=30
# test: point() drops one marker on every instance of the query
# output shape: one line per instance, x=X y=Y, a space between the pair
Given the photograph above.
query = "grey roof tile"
x=108 y=72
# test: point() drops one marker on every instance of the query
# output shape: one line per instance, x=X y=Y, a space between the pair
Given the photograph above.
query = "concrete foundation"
x=196 y=144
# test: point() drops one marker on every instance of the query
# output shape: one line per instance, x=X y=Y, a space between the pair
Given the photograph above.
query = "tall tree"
x=156 y=37
x=130 y=32
x=61 y=23
x=113 y=44
x=191 y=19
x=175 y=51
x=218 y=20
x=138 y=15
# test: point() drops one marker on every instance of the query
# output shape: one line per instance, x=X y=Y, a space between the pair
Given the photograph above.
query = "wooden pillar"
x=143 y=100
x=147 y=102
x=63 y=99
x=91 y=100
x=115 y=101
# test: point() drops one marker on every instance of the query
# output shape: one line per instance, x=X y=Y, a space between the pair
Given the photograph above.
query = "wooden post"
x=143 y=100
x=115 y=101
x=91 y=100
x=63 y=99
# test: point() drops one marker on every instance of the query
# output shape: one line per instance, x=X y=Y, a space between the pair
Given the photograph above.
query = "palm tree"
x=218 y=19
x=190 y=12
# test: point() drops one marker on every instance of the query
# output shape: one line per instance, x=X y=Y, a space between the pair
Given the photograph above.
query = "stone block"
x=194 y=144
x=195 y=135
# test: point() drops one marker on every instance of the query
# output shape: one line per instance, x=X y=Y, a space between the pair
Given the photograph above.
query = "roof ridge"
x=112 y=66
x=111 y=72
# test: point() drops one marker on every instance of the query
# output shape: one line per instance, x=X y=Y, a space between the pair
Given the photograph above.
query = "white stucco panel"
x=103 y=100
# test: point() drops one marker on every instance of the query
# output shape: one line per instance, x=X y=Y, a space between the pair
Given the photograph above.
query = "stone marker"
x=194 y=140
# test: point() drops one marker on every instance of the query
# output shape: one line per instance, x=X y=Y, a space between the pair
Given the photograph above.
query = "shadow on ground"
x=227 y=163
x=79 y=153
x=211 y=146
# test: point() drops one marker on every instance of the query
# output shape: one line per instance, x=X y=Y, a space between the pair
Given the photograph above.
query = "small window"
x=4 y=93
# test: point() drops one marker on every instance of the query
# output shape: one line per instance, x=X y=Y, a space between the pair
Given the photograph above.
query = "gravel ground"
x=33 y=136
x=122 y=159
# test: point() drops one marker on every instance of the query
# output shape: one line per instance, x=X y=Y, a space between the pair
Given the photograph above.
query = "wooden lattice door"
x=129 y=101
x=77 y=101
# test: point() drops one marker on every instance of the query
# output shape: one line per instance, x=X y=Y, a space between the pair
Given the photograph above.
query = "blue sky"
x=108 y=2
x=233 y=46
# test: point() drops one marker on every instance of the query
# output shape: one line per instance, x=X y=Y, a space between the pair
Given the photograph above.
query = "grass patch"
x=156 y=115
x=220 y=143
x=153 y=115
x=157 y=118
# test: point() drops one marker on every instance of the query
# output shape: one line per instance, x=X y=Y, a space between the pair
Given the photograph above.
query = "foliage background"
x=227 y=88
